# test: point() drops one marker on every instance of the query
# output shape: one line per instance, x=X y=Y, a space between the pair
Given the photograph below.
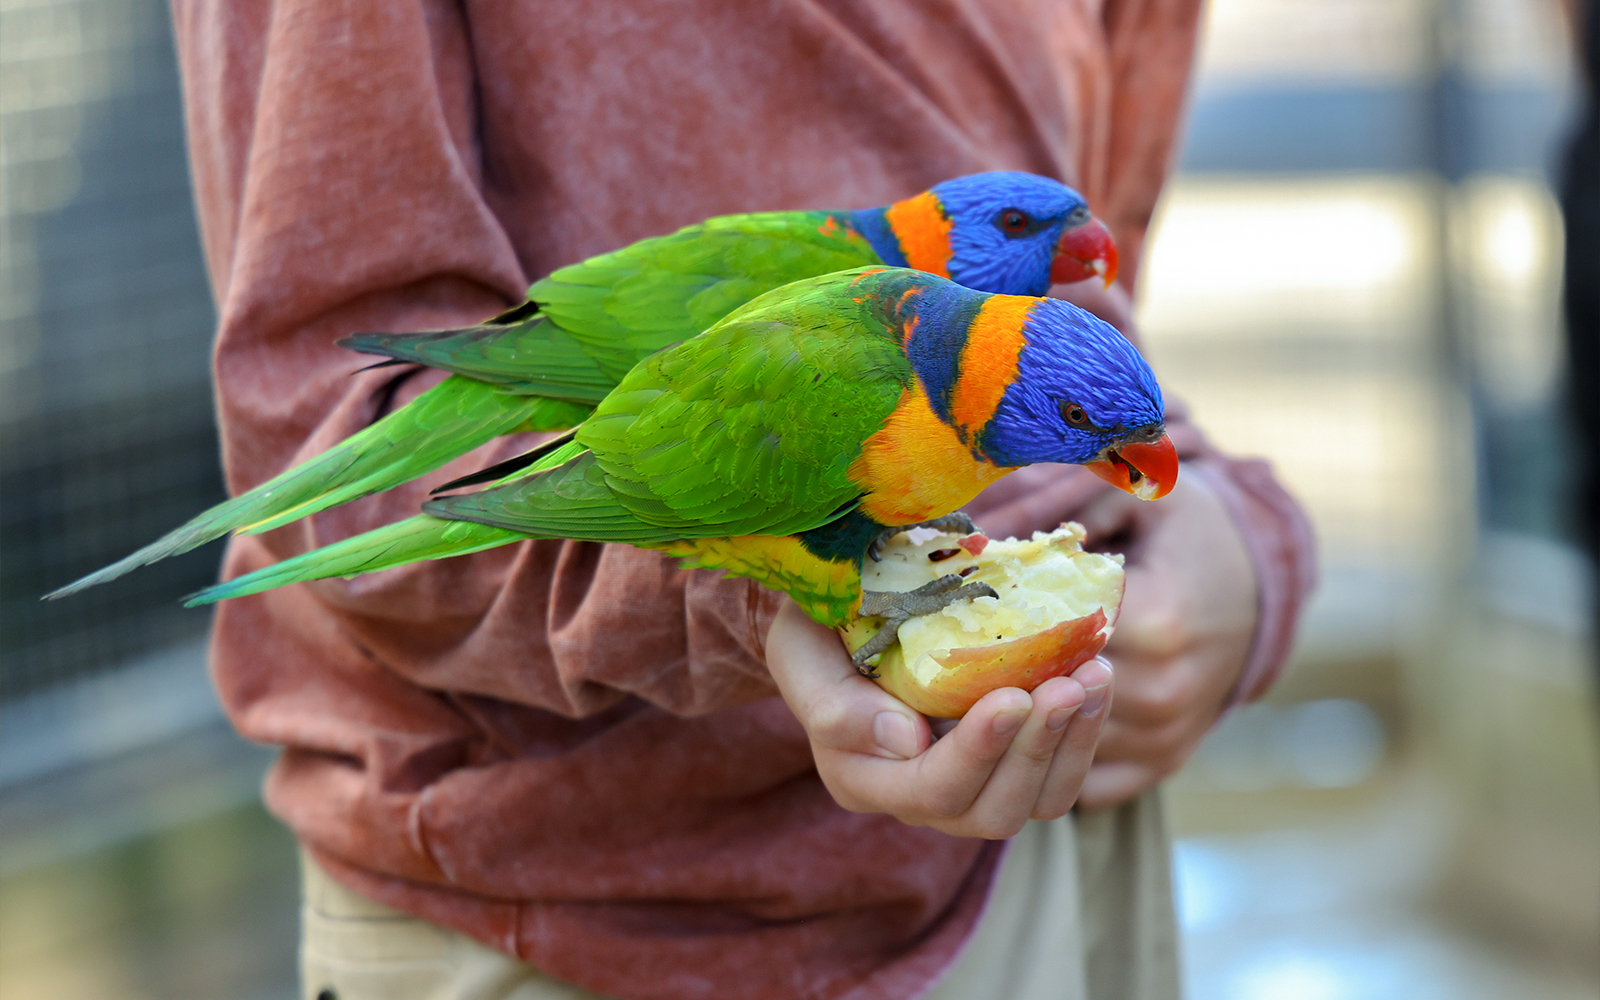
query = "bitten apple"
x=1055 y=610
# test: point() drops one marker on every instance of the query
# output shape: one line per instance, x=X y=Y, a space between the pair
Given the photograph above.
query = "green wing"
x=750 y=428
x=587 y=325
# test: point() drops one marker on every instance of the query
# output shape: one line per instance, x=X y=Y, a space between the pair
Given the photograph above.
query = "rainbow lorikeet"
x=545 y=364
x=783 y=443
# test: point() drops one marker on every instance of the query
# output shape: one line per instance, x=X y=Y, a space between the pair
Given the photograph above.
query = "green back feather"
x=587 y=324
x=626 y=305
x=750 y=428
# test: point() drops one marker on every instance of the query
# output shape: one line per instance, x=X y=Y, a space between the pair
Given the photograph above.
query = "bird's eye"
x=1014 y=220
x=1075 y=416
x=1078 y=216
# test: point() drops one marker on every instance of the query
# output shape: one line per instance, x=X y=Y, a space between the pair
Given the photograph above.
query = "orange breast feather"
x=916 y=467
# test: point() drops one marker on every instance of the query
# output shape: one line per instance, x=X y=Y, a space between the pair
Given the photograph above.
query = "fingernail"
x=1007 y=723
x=1057 y=720
x=1095 y=676
x=1094 y=701
x=895 y=734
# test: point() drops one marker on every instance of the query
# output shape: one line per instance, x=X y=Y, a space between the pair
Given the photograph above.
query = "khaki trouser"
x=1082 y=910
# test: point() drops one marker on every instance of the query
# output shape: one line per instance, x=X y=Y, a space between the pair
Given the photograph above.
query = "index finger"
x=945 y=780
x=872 y=750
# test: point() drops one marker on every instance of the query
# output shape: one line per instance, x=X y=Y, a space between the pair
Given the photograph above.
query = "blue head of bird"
x=1003 y=231
x=1082 y=394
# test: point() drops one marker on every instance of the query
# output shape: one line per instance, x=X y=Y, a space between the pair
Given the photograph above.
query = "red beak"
x=1147 y=469
x=1085 y=251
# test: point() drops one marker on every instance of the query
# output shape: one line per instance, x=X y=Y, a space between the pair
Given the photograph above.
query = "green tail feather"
x=569 y=498
x=412 y=540
x=443 y=423
x=521 y=351
x=414 y=456
x=572 y=502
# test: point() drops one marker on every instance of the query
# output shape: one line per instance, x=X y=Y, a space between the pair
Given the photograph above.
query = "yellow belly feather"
x=917 y=467
x=827 y=591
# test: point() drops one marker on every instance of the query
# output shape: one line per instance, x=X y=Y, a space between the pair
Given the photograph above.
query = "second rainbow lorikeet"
x=786 y=441
x=545 y=364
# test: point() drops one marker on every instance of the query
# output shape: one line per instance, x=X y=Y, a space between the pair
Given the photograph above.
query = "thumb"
x=838 y=708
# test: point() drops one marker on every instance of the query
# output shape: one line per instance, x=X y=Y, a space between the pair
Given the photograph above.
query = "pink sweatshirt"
x=573 y=751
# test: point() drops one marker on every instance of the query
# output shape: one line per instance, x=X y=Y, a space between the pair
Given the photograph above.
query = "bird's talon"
x=882 y=640
x=957 y=523
x=897 y=608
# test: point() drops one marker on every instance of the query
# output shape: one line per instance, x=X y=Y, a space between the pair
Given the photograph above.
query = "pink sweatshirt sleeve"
x=1282 y=551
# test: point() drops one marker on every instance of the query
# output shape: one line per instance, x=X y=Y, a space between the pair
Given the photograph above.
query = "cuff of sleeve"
x=1282 y=550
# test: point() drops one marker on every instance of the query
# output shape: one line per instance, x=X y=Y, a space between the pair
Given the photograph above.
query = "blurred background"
x=1413 y=812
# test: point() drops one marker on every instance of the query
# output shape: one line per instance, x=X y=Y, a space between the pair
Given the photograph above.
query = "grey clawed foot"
x=925 y=600
x=898 y=608
x=956 y=523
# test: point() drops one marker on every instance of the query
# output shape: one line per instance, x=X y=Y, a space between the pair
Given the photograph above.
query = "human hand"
x=1187 y=621
x=1012 y=757
x=1189 y=612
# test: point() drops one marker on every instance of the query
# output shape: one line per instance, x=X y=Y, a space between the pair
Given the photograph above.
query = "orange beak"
x=1085 y=251
x=1147 y=469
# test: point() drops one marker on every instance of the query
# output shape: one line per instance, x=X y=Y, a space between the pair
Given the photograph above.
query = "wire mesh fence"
x=106 y=427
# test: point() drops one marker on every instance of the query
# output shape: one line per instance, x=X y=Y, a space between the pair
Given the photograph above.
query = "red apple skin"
x=1024 y=662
